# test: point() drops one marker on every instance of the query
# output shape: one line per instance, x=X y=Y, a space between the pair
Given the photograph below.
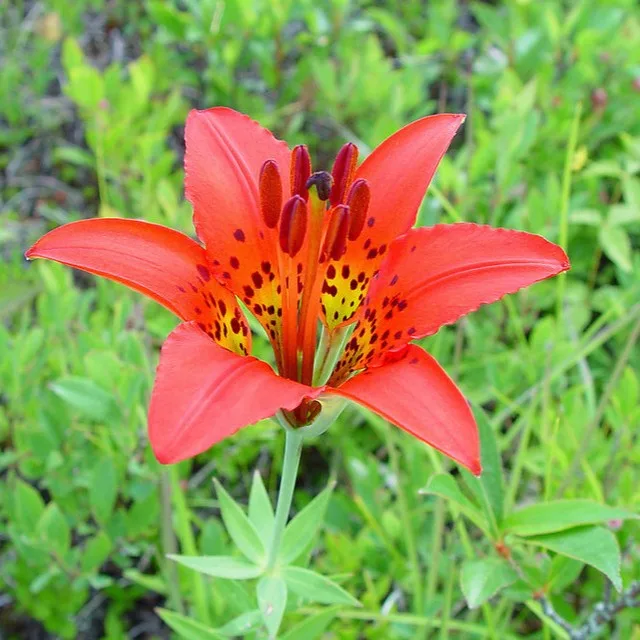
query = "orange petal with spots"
x=203 y=394
x=398 y=173
x=225 y=154
x=159 y=262
x=433 y=276
x=415 y=393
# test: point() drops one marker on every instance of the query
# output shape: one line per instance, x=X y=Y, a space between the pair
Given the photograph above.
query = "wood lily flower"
x=298 y=249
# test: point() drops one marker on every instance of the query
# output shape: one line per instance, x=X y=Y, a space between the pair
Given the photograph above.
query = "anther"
x=300 y=171
x=344 y=168
x=358 y=203
x=335 y=243
x=270 y=193
x=293 y=225
x=322 y=181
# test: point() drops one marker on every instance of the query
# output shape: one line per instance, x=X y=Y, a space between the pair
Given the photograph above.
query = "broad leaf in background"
x=482 y=579
x=103 y=490
x=272 y=600
x=86 y=397
x=594 y=546
x=240 y=528
x=304 y=526
x=311 y=627
x=220 y=566
x=561 y=514
x=316 y=588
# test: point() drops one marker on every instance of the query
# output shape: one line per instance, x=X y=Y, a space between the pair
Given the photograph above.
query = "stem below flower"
x=292 y=451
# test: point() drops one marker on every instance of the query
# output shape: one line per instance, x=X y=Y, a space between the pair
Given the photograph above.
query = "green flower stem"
x=292 y=451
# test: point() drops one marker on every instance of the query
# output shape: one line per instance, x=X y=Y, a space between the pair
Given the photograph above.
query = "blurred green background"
x=93 y=98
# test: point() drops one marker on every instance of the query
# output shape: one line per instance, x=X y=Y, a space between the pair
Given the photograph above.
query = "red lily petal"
x=225 y=153
x=415 y=393
x=398 y=173
x=162 y=263
x=203 y=394
x=435 y=275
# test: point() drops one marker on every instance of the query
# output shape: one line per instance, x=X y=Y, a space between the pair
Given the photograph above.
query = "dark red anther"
x=270 y=193
x=335 y=242
x=344 y=168
x=300 y=171
x=358 y=203
x=322 y=181
x=293 y=225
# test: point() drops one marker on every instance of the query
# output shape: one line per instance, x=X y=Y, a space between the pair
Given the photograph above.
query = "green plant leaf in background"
x=103 y=490
x=54 y=530
x=304 y=526
x=220 y=566
x=240 y=528
x=594 y=546
x=86 y=397
x=260 y=510
x=558 y=515
x=311 y=627
x=482 y=579
x=316 y=588
x=186 y=627
x=272 y=600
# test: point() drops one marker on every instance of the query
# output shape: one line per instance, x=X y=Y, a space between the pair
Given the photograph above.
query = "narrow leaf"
x=445 y=486
x=304 y=526
x=311 y=627
x=186 y=627
x=260 y=509
x=244 y=624
x=482 y=579
x=562 y=514
x=316 y=588
x=272 y=599
x=240 y=528
x=594 y=546
x=220 y=566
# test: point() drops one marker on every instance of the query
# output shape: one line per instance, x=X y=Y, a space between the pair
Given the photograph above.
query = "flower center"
x=324 y=212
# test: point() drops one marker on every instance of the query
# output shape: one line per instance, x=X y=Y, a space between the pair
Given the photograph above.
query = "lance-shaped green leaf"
x=186 y=627
x=489 y=487
x=272 y=600
x=220 y=566
x=244 y=624
x=316 y=588
x=445 y=486
x=54 y=530
x=311 y=627
x=560 y=515
x=304 y=527
x=482 y=579
x=260 y=509
x=594 y=546
x=240 y=528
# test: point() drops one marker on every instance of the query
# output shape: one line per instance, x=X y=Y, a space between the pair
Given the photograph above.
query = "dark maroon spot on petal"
x=394 y=280
x=257 y=309
x=193 y=288
x=198 y=310
x=226 y=275
x=181 y=289
x=266 y=267
x=222 y=307
x=204 y=272
x=257 y=279
x=414 y=361
x=411 y=331
x=234 y=262
x=382 y=249
x=235 y=325
x=331 y=272
x=353 y=285
x=361 y=276
x=370 y=222
x=397 y=335
x=203 y=326
x=238 y=234
x=372 y=254
x=367 y=243
x=249 y=292
x=402 y=305
x=345 y=271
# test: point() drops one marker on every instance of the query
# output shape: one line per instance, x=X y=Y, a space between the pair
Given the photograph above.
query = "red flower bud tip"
x=322 y=181
x=300 y=171
x=293 y=225
x=599 y=99
x=270 y=193
x=335 y=243
x=358 y=203
x=344 y=169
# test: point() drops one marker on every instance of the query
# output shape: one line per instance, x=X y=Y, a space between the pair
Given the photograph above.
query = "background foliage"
x=93 y=97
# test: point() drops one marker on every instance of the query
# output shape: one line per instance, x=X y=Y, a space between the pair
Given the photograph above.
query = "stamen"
x=336 y=239
x=300 y=171
x=344 y=169
x=322 y=181
x=270 y=193
x=293 y=225
x=358 y=203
